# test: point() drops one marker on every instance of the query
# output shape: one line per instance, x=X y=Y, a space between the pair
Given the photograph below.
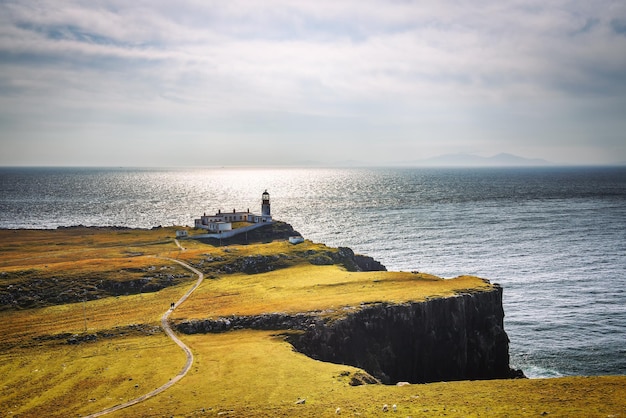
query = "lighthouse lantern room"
x=265 y=207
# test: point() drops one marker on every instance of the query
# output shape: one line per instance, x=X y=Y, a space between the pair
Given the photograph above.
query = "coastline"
x=134 y=248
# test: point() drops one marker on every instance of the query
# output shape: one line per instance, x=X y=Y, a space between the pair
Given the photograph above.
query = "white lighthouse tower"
x=265 y=207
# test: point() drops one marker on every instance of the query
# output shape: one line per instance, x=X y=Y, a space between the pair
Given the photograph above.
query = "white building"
x=222 y=221
x=296 y=239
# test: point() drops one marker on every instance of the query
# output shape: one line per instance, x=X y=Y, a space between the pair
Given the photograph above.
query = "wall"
x=231 y=233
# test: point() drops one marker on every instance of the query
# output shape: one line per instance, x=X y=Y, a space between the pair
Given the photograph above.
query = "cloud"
x=356 y=50
x=347 y=69
x=619 y=26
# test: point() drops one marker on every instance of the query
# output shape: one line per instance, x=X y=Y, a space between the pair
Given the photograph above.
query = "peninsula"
x=274 y=329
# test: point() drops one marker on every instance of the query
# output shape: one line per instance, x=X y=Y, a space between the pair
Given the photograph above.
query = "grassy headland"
x=80 y=333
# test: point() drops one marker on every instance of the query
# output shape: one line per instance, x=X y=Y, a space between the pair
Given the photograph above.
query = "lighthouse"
x=265 y=207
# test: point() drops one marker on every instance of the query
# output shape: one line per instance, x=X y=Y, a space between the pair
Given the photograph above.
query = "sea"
x=554 y=238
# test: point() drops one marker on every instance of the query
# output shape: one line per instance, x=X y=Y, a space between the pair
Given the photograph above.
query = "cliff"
x=441 y=339
x=454 y=338
x=342 y=308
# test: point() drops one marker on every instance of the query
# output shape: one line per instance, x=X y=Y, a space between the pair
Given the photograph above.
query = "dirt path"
x=178 y=245
x=170 y=333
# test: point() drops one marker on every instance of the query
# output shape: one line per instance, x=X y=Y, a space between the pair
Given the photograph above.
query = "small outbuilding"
x=296 y=239
x=220 y=226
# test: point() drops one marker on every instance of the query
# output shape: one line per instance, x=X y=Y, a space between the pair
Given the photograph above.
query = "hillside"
x=81 y=332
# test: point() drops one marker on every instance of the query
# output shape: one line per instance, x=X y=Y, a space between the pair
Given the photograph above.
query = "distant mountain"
x=470 y=160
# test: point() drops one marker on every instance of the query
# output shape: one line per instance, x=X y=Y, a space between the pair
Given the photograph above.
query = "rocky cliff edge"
x=441 y=339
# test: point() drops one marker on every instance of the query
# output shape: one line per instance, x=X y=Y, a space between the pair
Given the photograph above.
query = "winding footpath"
x=168 y=330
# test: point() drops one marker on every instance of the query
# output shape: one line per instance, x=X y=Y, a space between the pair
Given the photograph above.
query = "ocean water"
x=554 y=238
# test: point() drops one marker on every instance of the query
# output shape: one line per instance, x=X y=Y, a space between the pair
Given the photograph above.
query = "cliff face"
x=454 y=338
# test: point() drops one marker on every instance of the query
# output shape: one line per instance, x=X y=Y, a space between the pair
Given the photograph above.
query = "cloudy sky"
x=154 y=83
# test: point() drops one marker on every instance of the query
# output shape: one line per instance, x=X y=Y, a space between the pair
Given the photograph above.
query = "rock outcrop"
x=272 y=321
x=254 y=264
x=441 y=339
x=278 y=230
x=27 y=290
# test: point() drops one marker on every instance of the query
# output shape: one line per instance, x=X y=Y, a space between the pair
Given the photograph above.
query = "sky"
x=211 y=83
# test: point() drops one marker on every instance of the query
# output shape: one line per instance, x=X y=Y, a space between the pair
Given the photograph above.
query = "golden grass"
x=67 y=263
x=243 y=373
x=196 y=251
x=115 y=269
x=67 y=380
x=37 y=247
x=20 y=327
x=304 y=288
x=256 y=374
